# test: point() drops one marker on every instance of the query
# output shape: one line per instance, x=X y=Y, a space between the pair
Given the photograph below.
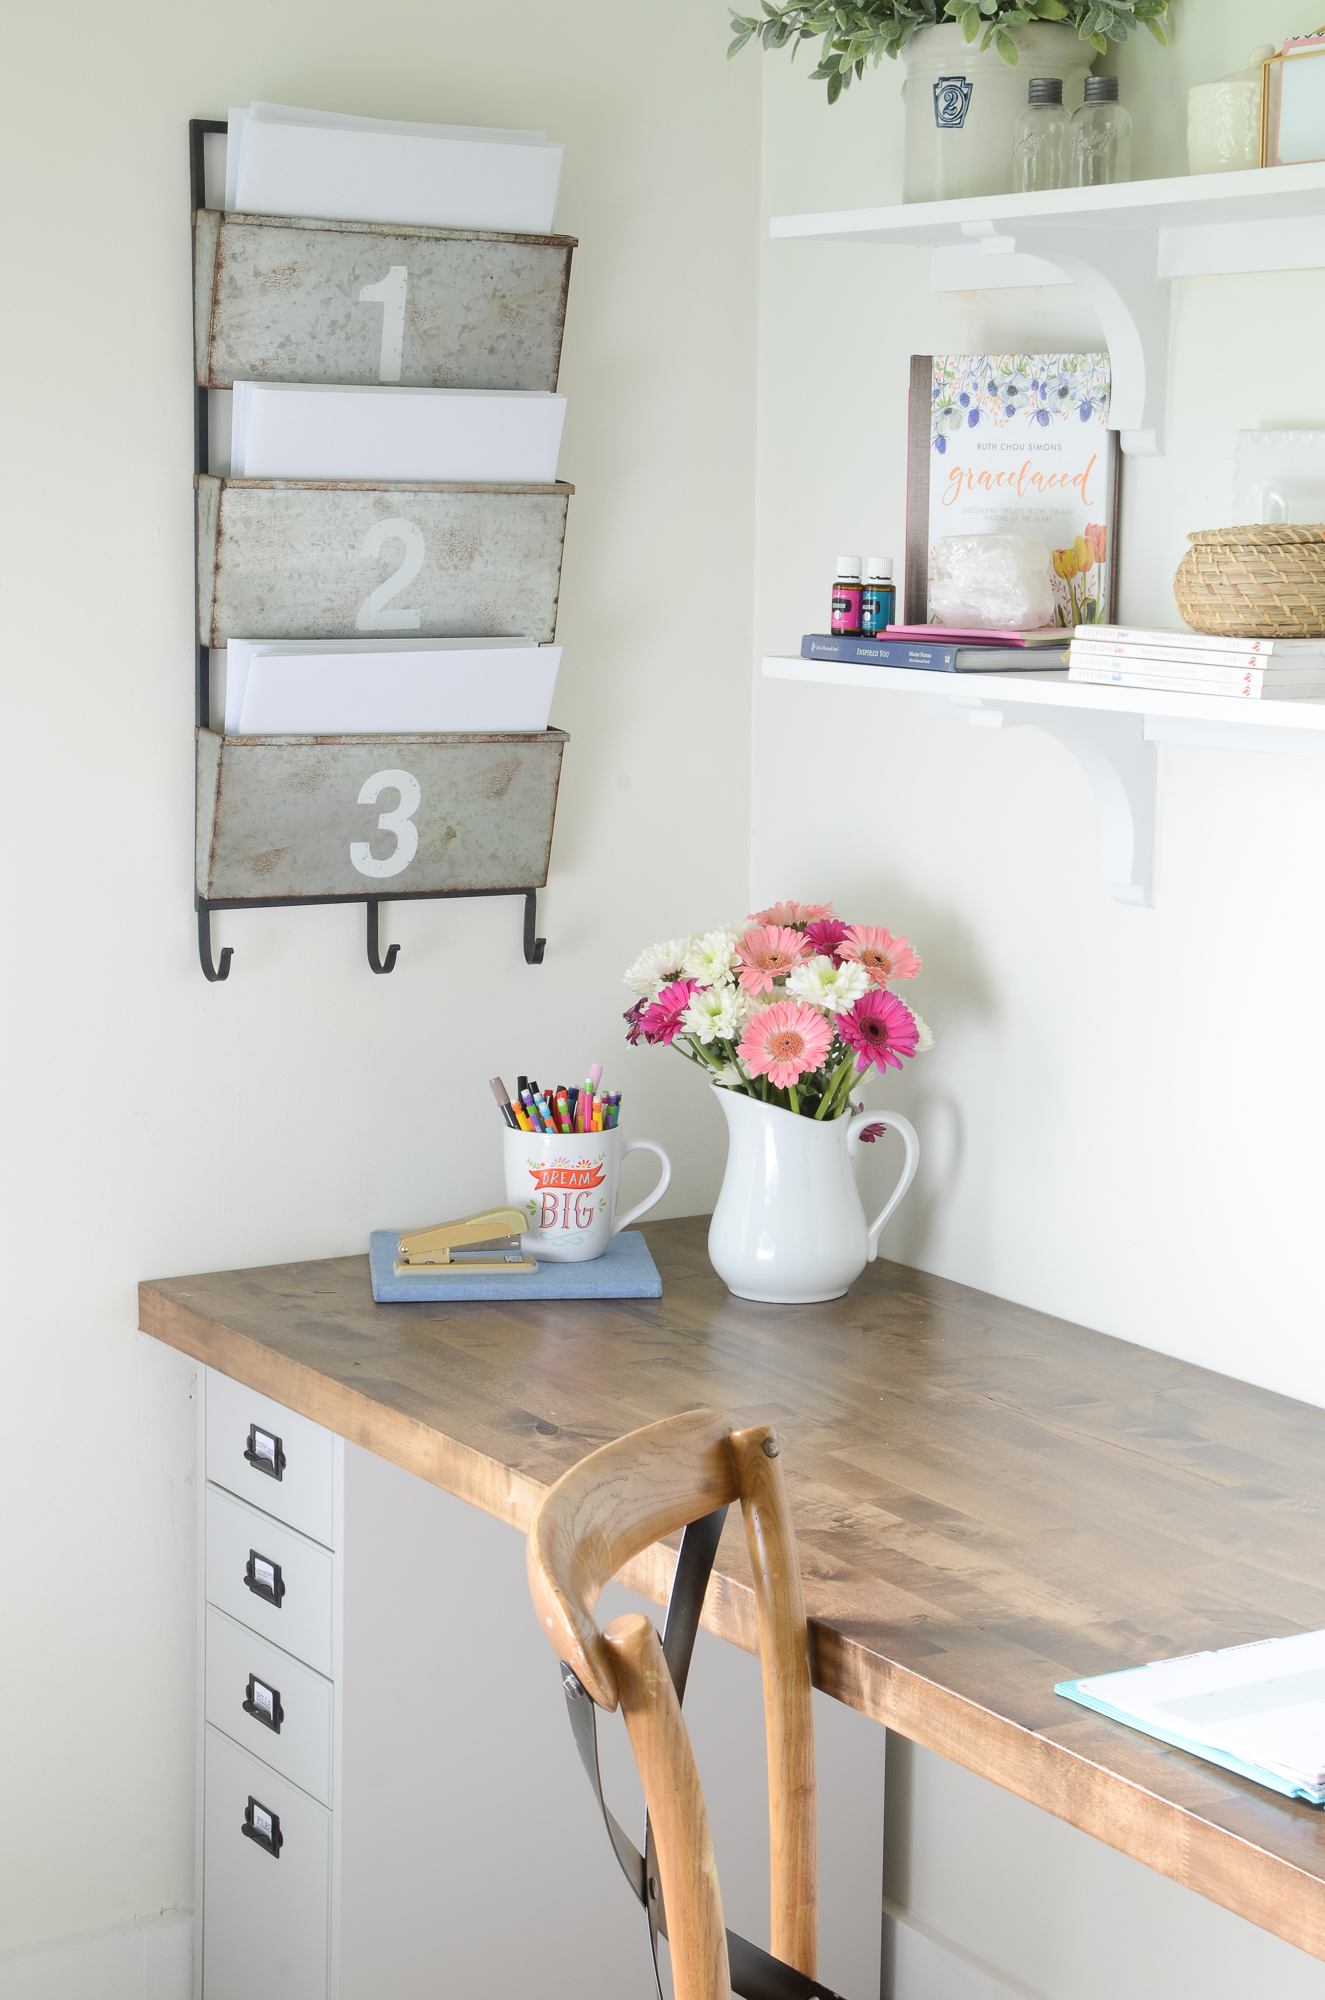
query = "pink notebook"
x=961 y=635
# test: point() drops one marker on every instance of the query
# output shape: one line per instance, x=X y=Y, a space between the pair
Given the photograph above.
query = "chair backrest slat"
x=602 y=1512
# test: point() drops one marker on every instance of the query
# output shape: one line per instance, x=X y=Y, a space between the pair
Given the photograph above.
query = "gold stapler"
x=488 y=1242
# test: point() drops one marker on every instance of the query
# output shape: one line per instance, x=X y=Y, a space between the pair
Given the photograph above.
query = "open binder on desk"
x=1258 y=1710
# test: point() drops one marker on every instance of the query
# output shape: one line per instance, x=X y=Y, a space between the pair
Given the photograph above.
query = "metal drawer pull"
x=263 y=1703
x=263 y=1828
x=263 y=1577
x=264 y=1452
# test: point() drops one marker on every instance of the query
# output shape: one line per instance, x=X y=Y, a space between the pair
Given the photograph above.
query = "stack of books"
x=1199 y=663
x=945 y=649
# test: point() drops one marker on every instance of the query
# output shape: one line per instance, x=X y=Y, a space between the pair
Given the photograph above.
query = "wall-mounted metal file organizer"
x=290 y=820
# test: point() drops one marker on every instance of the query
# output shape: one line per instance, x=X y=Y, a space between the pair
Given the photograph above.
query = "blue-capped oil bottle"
x=878 y=599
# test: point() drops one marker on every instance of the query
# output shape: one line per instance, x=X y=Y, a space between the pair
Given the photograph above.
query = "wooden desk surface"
x=987 y=1501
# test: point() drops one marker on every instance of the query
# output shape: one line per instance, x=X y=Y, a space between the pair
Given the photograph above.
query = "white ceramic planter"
x=788 y=1228
x=961 y=105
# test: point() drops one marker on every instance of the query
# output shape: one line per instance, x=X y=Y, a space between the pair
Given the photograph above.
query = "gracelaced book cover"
x=1016 y=444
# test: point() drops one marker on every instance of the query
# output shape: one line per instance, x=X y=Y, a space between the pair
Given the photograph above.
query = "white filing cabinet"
x=391 y=1806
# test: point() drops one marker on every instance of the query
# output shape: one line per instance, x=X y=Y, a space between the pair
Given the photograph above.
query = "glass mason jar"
x=1100 y=136
x=1039 y=146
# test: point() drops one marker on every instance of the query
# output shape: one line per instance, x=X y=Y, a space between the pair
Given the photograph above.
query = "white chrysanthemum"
x=823 y=984
x=712 y=956
x=926 y=1038
x=732 y=1075
x=657 y=966
x=714 y=1013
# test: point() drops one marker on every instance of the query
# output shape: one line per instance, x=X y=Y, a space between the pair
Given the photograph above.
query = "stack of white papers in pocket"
x=389 y=687
x=1258 y=1709
x=281 y=160
x=305 y=430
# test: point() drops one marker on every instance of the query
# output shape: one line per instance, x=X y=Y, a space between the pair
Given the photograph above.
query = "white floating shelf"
x=1112 y=732
x=1122 y=245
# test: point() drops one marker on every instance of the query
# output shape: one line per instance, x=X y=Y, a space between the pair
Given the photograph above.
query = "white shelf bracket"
x=1118 y=270
x=1122 y=767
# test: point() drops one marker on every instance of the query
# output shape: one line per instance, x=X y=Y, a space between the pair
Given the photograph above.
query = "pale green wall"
x=154 y=1124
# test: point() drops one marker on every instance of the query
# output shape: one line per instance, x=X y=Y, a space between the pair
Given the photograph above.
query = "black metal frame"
x=534 y=946
x=270 y=1594
x=274 y=1467
x=258 y=1712
x=755 y=1973
x=271 y=1843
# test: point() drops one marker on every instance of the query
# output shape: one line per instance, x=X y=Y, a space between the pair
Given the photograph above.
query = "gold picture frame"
x=1274 y=74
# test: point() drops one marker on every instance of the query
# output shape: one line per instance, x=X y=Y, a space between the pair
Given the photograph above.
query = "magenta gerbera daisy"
x=825 y=937
x=784 y=1041
x=790 y=916
x=880 y=1028
x=767 y=955
x=661 y=1019
x=883 y=956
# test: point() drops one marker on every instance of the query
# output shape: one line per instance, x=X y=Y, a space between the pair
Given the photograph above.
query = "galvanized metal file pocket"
x=283 y=299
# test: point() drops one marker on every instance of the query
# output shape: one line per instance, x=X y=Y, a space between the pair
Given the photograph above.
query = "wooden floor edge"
x=1266 y=1889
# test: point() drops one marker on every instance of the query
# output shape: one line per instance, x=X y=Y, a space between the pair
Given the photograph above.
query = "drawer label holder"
x=263 y=1828
x=263 y=1577
x=263 y=1703
x=264 y=1452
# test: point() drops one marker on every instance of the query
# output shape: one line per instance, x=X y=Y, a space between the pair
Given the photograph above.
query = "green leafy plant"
x=853 y=36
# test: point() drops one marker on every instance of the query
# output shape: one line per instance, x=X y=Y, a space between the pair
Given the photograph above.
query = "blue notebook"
x=1258 y=1710
x=624 y=1271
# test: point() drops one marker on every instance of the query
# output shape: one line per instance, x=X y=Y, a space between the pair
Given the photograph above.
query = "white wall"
x=1120 y=1120
x=155 y=1124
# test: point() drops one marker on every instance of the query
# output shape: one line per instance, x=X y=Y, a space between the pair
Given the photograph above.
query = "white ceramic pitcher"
x=788 y=1228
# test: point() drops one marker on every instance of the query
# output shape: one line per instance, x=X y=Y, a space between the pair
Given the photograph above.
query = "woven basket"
x=1254 y=583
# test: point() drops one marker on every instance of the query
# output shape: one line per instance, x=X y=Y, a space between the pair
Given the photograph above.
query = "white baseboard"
x=921 y=1963
x=146 y=1961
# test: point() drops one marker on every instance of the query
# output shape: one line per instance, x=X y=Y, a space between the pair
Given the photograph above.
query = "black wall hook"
x=205 y=946
x=375 y=959
x=534 y=947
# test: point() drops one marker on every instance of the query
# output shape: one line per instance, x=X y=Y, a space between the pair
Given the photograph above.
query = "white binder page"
x=313 y=687
x=301 y=430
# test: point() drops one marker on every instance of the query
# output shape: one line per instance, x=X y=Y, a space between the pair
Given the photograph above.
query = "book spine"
x=1166 y=683
x=873 y=653
x=1148 y=666
x=1092 y=650
x=1211 y=642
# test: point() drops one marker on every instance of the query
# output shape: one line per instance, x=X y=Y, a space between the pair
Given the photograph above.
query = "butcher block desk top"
x=987 y=1501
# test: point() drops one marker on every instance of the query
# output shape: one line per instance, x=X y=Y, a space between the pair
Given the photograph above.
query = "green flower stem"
x=842 y=1072
x=795 y=1100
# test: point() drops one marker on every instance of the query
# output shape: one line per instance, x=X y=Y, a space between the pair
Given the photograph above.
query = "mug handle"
x=643 y=1207
x=912 y=1161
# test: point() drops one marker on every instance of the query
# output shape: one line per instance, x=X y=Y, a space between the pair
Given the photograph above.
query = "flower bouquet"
x=791 y=1008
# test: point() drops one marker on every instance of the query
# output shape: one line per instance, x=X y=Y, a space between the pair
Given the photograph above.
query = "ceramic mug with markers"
x=566 y=1183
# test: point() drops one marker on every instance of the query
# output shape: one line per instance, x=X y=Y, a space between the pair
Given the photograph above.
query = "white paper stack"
x=1257 y=1709
x=305 y=430
x=1183 y=662
x=393 y=687
x=281 y=160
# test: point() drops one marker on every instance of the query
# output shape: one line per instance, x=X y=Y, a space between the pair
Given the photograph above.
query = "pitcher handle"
x=912 y=1161
x=643 y=1207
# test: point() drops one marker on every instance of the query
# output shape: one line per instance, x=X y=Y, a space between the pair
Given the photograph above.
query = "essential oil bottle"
x=878 y=599
x=847 y=596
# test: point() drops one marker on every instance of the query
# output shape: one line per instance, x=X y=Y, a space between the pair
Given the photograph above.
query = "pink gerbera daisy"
x=883 y=956
x=880 y=1028
x=792 y=916
x=661 y=1019
x=825 y=936
x=767 y=955
x=784 y=1041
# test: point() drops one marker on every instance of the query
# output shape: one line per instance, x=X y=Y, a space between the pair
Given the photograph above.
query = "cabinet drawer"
x=270 y=1579
x=267 y=1701
x=271 y=1457
x=265 y=1916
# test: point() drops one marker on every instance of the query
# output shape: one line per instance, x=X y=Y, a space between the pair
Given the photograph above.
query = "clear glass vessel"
x=1039 y=145
x=1100 y=136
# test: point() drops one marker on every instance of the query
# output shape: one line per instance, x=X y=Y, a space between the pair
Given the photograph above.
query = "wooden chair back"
x=603 y=1512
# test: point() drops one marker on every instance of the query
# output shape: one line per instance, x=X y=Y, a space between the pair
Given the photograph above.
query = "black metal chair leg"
x=211 y=970
x=378 y=963
x=534 y=947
